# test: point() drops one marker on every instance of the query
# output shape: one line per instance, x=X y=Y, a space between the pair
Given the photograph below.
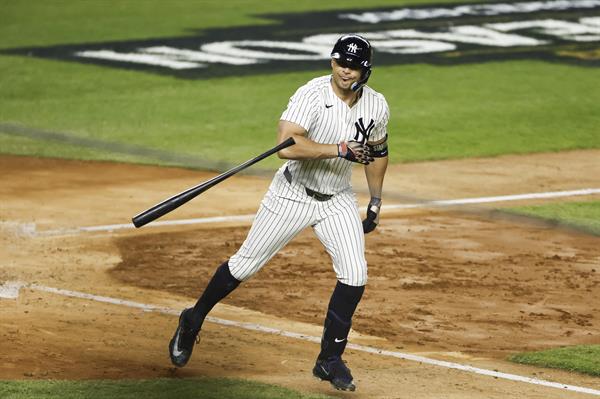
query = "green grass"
x=579 y=215
x=438 y=112
x=42 y=22
x=582 y=359
x=191 y=388
x=491 y=109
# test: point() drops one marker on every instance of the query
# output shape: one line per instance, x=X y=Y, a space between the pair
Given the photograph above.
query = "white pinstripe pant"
x=285 y=211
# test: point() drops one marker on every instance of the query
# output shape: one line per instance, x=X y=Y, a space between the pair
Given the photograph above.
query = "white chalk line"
x=248 y=218
x=12 y=286
x=112 y=227
x=501 y=198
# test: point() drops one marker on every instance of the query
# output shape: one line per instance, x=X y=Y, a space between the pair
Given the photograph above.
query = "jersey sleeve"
x=302 y=108
x=380 y=130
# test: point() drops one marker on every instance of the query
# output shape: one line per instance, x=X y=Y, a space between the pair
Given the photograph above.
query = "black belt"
x=309 y=192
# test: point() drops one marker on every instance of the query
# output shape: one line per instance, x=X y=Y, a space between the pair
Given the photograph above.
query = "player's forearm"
x=375 y=172
x=307 y=149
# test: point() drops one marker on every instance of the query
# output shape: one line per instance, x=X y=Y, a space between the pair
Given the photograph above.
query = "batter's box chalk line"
x=31 y=230
x=10 y=290
x=19 y=229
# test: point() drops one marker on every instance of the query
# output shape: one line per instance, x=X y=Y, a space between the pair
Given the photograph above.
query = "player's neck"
x=348 y=96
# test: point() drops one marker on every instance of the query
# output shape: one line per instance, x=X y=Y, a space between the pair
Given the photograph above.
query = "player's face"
x=344 y=75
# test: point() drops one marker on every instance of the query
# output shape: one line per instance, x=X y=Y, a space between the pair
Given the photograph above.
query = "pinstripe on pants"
x=285 y=211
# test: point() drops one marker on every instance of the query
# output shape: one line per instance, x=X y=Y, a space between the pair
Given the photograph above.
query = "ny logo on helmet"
x=353 y=48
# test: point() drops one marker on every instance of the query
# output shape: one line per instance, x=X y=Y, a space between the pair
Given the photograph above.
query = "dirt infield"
x=468 y=284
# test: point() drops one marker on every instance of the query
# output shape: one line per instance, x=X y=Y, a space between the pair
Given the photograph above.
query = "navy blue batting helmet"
x=354 y=51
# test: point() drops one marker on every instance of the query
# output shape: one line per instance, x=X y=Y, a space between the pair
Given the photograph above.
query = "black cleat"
x=182 y=344
x=335 y=371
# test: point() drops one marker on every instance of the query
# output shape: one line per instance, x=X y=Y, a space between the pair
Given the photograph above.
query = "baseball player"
x=336 y=121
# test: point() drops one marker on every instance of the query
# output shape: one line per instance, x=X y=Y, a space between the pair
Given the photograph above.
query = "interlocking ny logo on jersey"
x=563 y=30
x=362 y=132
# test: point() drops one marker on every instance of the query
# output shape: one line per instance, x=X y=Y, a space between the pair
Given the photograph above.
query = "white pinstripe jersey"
x=328 y=120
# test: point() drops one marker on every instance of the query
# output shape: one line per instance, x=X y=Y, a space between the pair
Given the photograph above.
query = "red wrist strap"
x=342 y=149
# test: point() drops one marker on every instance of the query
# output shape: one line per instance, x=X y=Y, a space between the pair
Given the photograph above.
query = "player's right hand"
x=355 y=151
x=372 y=219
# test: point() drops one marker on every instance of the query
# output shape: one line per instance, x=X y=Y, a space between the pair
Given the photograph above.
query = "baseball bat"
x=177 y=200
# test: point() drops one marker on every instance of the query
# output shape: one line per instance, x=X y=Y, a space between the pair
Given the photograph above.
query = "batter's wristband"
x=375 y=201
x=342 y=149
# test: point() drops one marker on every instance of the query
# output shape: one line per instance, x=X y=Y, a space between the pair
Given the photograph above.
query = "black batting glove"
x=355 y=151
x=372 y=219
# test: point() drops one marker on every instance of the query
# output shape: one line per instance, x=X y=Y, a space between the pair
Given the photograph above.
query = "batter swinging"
x=336 y=120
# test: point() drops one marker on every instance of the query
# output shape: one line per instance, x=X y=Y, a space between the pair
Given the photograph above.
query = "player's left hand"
x=372 y=219
x=355 y=151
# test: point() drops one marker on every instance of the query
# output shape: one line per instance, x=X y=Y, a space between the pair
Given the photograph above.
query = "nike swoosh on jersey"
x=328 y=106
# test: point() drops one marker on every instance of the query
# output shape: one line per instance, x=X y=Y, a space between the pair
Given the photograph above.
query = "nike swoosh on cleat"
x=176 y=351
x=339 y=340
x=324 y=371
